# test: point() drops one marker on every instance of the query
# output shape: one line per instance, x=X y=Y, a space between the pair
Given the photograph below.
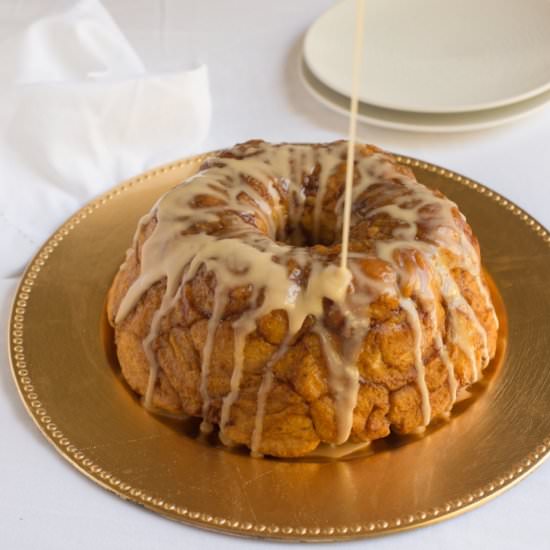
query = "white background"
x=252 y=50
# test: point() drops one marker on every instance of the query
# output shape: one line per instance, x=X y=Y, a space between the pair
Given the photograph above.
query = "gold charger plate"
x=62 y=362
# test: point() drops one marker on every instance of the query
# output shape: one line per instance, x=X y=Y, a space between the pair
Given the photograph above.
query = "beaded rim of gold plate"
x=78 y=458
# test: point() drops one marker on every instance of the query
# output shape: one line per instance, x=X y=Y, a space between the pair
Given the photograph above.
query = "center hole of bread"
x=295 y=234
x=305 y=226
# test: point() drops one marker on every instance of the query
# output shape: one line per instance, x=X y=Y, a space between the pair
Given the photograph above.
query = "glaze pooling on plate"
x=242 y=219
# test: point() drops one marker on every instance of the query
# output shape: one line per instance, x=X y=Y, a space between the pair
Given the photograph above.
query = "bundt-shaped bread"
x=231 y=306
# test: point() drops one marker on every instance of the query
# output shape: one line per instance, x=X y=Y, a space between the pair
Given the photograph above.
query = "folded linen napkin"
x=79 y=113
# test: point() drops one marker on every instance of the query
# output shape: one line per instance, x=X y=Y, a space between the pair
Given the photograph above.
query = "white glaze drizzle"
x=254 y=195
x=414 y=321
x=263 y=392
x=220 y=301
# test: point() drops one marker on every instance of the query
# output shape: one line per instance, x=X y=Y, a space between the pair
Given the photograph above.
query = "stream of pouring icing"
x=352 y=134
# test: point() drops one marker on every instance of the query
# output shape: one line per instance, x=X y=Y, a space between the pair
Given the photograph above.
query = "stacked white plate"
x=434 y=65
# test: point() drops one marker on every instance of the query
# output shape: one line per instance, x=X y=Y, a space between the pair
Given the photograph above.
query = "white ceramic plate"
x=422 y=122
x=437 y=56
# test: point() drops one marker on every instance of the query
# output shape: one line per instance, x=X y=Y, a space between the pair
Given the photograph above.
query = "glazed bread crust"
x=300 y=410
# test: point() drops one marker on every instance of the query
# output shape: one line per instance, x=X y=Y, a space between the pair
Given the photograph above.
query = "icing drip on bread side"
x=234 y=219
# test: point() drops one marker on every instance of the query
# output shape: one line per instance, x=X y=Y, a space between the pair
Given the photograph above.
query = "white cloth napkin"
x=78 y=114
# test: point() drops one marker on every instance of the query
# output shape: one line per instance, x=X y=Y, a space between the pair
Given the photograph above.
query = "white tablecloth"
x=252 y=51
